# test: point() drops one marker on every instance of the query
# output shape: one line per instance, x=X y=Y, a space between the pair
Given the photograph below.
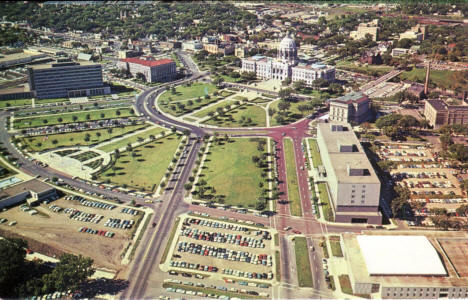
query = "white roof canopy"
x=400 y=255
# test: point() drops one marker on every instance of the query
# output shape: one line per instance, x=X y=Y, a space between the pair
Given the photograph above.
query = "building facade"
x=286 y=65
x=222 y=48
x=353 y=107
x=154 y=70
x=363 y=29
x=353 y=186
x=438 y=113
x=66 y=79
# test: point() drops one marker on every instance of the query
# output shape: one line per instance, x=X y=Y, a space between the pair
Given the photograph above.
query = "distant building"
x=129 y=53
x=371 y=58
x=416 y=90
x=399 y=51
x=353 y=107
x=363 y=29
x=286 y=65
x=66 y=79
x=438 y=113
x=17 y=59
x=169 y=45
x=240 y=51
x=417 y=32
x=192 y=46
x=154 y=70
x=353 y=186
x=222 y=48
x=34 y=190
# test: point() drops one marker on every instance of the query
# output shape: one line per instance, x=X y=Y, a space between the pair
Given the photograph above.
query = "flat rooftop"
x=341 y=161
x=34 y=185
x=15 y=56
x=400 y=255
x=354 y=97
x=359 y=273
x=49 y=65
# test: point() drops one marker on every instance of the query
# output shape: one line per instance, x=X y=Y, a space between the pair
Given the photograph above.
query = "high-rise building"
x=66 y=79
x=353 y=186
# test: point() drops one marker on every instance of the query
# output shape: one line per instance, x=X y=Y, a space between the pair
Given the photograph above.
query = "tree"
x=299 y=85
x=140 y=76
x=69 y=273
x=188 y=186
x=284 y=105
x=74 y=118
x=285 y=94
x=12 y=265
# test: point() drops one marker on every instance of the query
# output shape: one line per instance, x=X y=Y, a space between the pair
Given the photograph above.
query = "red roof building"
x=154 y=70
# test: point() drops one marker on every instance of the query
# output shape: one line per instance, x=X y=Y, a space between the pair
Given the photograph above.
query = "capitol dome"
x=287 y=50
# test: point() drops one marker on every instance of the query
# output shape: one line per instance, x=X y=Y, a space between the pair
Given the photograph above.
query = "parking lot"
x=77 y=225
x=219 y=256
x=430 y=179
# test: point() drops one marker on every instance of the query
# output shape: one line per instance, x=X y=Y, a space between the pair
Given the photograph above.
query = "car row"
x=88 y=203
x=214 y=224
x=218 y=237
x=130 y=211
x=95 y=231
x=183 y=264
x=82 y=216
x=227 y=254
x=119 y=223
x=250 y=275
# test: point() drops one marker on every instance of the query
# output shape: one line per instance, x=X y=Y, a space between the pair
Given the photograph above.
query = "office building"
x=154 y=70
x=439 y=113
x=66 y=79
x=406 y=266
x=353 y=186
x=353 y=107
x=221 y=48
x=33 y=190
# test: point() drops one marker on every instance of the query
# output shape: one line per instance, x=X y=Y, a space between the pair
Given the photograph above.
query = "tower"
x=287 y=50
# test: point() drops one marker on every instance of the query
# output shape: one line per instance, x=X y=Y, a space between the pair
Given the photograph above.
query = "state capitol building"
x=287 y=65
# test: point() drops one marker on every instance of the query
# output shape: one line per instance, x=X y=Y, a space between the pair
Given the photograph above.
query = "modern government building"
x=154 y=70
x=66 y=79
x=287 y=65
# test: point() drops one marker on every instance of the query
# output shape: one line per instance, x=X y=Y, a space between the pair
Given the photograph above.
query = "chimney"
x=426 y=85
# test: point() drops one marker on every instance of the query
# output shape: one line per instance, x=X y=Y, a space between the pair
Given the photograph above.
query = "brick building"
x=154 y=70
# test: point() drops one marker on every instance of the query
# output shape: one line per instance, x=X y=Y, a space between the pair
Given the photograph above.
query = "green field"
x=52 y=100
x=230 y=170
x=304 y=274
x=186 y=107
x=335 y=246
x=314 y=151
x=234 y=117
x=441 y=78
x=189 y=92
x=370 y=69
x=41 y=143
x=19 y=102
x=326 y=205
x=204 y=112
x=293 y=187
x=146 y=169
x=156 y=131
x=91 y=115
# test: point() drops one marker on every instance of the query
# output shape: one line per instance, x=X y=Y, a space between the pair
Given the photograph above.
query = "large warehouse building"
x=66 y=79
x=354 y=187
x=406 y=267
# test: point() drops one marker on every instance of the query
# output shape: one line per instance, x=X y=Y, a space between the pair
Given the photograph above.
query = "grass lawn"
x=234 y=117
x=230 y=170
x=345 y=284
x=370 y=69
x=52 y=100
x=326 y=205
x=169 y=241
x=18 y=102
x=441 y=78
x=293 y=113
x=84 y=156
x=293 y=187
x=314 y=151
x=91 y=115
x=183 y=107
x=132 y=139
x=278 y=265
x=194 y=91
x=204 y=112
x=304 y=275
x=325 y=250
x=40 y=143
x=175 y=58
x=146 y=169
x=335 y=246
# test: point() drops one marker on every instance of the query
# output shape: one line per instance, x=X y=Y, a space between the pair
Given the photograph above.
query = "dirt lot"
x=223 y=263
x=58 y=231
x=457 y=251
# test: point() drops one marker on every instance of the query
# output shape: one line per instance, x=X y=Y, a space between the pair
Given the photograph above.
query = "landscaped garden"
x=235 y=173
x=143 y=167
x=79 y=138
x=184 y=92
x=65 y=118
x=138 y=137
x=325 y=202
x=304 y=274
x=247 y=115
x=212 y=110
x=293 y=187
x=314 y=151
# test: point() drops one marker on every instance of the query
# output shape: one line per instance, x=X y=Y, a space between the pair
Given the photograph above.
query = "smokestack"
x=426 y=85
